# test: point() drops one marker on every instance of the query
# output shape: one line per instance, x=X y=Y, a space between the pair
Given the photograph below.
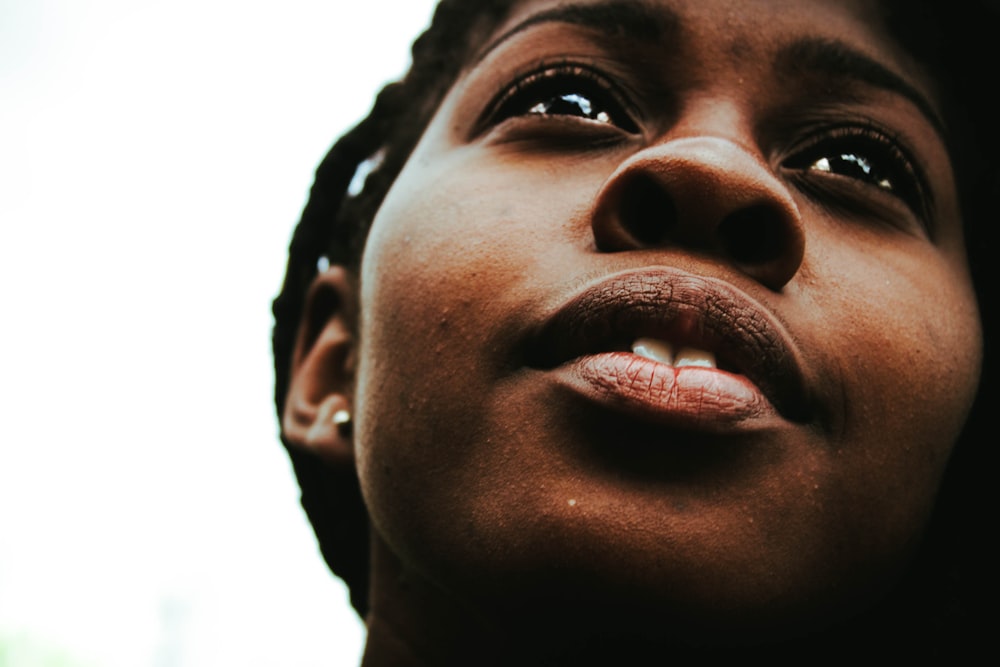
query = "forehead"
x=829 y=36
x=719 y=16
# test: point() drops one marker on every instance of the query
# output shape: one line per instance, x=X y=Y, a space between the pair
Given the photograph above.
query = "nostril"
x=647 y=212
x=755 y=235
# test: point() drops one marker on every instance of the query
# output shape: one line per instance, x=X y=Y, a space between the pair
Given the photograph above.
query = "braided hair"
x=356 y=174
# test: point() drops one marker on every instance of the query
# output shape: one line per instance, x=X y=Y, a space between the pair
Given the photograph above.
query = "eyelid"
x=552 y=73
x=914 y=191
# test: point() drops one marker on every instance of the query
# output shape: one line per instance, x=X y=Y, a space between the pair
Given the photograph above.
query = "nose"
x=708 y=194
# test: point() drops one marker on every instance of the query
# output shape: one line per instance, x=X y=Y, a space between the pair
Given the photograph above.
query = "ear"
x=321 y=387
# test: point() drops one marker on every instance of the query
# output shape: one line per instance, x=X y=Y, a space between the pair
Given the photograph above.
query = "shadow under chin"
x=892 y=629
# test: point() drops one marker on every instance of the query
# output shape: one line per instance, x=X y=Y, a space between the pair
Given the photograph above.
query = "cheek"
x=415 y=325
x=902 y=343
x=443 y=279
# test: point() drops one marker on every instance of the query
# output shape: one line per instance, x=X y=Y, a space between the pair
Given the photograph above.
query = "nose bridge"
x=707 y=193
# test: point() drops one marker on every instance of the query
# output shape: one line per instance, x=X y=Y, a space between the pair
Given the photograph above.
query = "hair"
x=952 y=44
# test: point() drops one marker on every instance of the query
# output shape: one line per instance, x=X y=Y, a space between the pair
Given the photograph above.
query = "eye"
x=854 y=165
x=867 y=157
x=565 y=91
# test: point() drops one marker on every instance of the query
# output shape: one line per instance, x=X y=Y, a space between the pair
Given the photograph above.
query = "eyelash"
x=559 y=83
x=873 y=157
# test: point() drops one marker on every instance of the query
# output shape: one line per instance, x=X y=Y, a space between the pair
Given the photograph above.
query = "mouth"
x=674 y=347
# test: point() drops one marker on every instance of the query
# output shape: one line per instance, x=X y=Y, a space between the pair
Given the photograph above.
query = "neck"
x=412 y=622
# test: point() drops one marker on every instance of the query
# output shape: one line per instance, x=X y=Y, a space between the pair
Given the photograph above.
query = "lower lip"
x=702 y=399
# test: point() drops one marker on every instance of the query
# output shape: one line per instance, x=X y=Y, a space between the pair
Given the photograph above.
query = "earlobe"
x=318 y=405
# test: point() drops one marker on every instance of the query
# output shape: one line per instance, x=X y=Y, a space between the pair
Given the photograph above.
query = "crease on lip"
x=684 y=309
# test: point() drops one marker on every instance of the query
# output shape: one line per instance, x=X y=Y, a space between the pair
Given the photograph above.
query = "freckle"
x=572 y=502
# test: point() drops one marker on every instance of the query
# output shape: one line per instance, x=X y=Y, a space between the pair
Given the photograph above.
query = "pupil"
x=569 y=104
x=858 y=163
x=862 y=168
x=582 y=103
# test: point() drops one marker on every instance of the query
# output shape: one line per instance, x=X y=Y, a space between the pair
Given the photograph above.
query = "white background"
x=154 y=157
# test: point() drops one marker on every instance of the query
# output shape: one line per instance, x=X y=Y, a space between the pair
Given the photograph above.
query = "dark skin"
x=545 y=446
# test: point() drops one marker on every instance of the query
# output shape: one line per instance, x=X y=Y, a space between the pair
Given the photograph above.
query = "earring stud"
x=342 y=418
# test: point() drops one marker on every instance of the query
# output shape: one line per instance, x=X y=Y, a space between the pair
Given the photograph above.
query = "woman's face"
x=670 y=305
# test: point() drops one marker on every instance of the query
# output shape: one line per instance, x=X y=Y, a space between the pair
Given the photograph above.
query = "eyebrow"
x=839 y=60
x=640 y=22
x=615 y=18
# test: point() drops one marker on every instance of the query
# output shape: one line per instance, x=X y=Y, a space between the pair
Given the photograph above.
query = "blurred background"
x=154 y=157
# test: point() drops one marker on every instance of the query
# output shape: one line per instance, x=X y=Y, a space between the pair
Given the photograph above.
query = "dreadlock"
x=949 y=42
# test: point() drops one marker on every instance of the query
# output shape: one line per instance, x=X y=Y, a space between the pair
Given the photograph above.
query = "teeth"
x=662 y=351
x=657 y=350
x=692 y=356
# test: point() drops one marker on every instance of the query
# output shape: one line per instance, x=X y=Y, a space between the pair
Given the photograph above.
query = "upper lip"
x=684 y=309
